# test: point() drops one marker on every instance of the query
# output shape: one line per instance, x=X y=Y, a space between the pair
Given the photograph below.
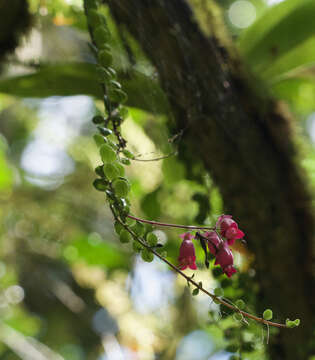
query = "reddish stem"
x=189 y=279
x=156 y=223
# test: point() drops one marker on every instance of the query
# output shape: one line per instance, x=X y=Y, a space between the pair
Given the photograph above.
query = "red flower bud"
x=225 y=259
x=187 y=256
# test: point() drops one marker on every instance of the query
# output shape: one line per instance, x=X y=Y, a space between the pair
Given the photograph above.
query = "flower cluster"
x=226 y=228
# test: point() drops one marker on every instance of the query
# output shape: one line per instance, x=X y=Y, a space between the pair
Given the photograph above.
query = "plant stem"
x=190 y=227
x=188 y=278
x=156 y=223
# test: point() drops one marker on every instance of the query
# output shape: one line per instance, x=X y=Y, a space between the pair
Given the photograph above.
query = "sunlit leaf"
x=296 y=59
x=273 y=44
x=65 y=79
x=298 y=92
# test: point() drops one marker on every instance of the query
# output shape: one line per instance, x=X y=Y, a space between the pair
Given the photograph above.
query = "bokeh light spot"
x=273 y=2
x=242 y=13
x=14 y=294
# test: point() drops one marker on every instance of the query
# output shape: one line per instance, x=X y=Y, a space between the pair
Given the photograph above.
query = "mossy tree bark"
x=246 y=144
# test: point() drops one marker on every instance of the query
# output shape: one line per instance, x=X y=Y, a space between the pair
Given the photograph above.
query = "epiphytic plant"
x=111 y=179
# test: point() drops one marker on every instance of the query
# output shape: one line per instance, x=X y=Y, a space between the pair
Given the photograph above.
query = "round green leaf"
x=195 y=292
x=267 y=314
x=101 y=36
x=110 y=171
x=125 y=236
x=289 y=323
x=147 y=255
x=128 y=154
x=100 y=184
x=240 y=304
x=138 y=228
x=105 y=58
x=120 y=169
x=118 y=96
x=297 y=322
x=151 y=239
x=98 y=119
x=237 y=316
x=108 y=155
x=99 y=140
x=121 y=187
x=99 y=171
x=118 y=227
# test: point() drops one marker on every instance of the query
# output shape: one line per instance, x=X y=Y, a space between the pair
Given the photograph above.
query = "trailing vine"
x=215 y=240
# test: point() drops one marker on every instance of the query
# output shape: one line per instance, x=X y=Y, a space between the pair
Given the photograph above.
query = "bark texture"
x=247 y=146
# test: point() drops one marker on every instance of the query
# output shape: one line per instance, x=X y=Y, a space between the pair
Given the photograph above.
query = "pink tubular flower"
x=229 y=229
x=213 y=241
x=225 y=259
x=233 y=233
x=187 y=257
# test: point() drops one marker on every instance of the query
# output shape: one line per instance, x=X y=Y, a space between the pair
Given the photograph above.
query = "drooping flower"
x=213 y=241
x=229 y=229
x=233 y=233
x=187 y=256
x=225 y=259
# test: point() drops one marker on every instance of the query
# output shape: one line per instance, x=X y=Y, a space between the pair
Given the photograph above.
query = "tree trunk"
x=246 y=144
